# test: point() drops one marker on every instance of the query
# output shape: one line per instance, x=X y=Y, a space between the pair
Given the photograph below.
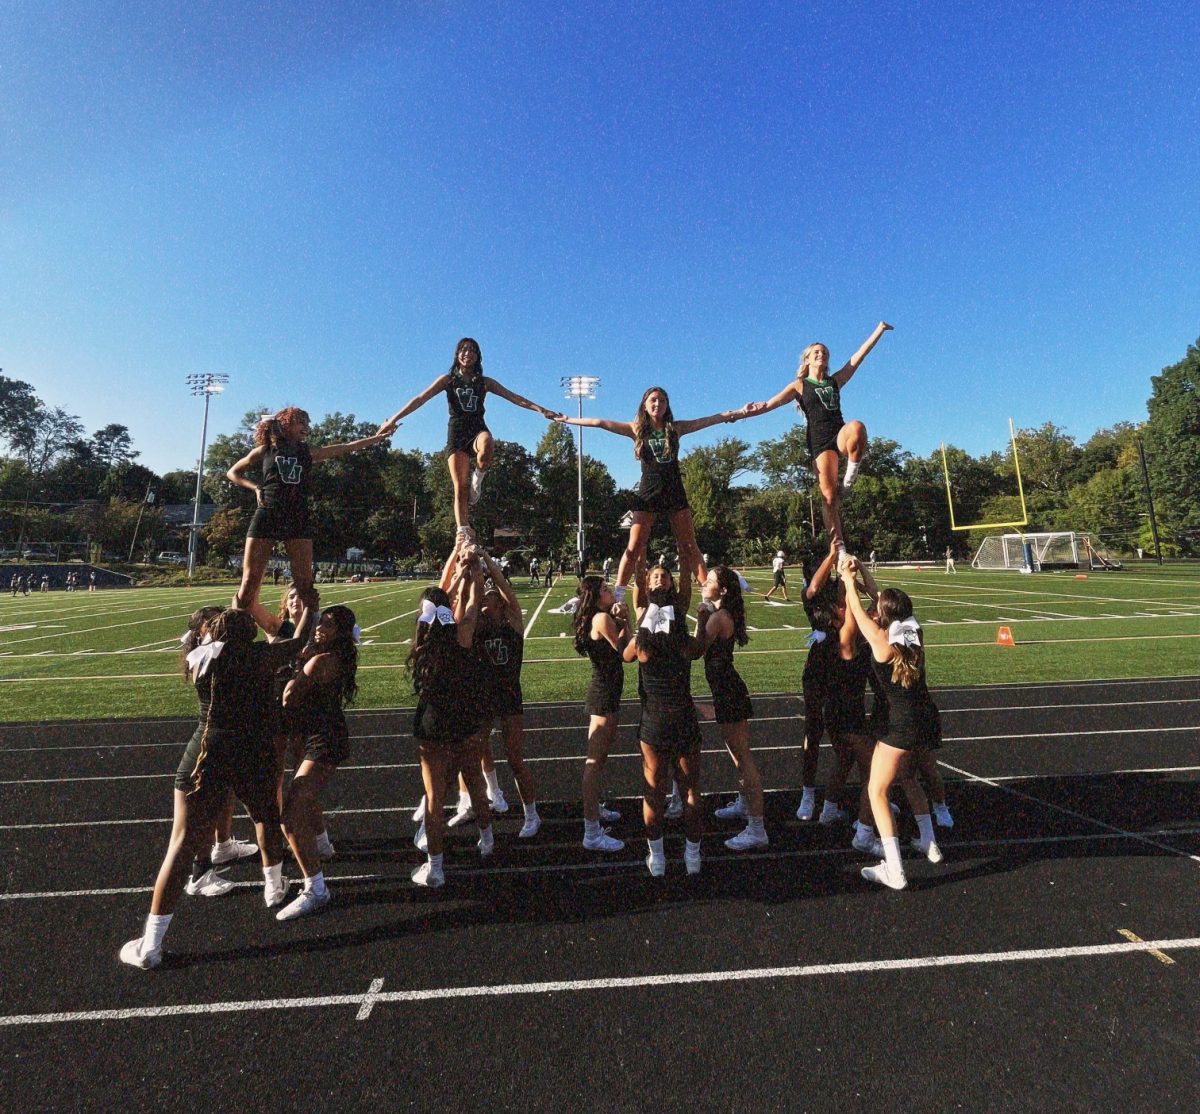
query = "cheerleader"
x=465 y=387
x=316 y=696
x=449 y=679
x=818 y=602
x=281 y=451
x=655 y=434
x=830 y=436
x=668 y=732
x=898 y=660
x=230 y=750
x=721 y=623
x=601 y=635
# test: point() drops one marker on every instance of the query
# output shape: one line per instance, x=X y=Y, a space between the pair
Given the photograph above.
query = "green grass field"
x=114 y=654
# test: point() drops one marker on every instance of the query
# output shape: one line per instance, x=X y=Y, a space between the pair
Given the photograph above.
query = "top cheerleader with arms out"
x=830 y=436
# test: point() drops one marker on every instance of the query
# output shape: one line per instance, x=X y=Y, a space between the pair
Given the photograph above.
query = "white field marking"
x=393 y=619
x=601 y=866
x=629 y=982
x=372 y=996
x=537 y=611
x=1162 y=957
x=1073 y=597
x=1067 y=811
x=635 y=754
x=18 y=626
x=1100 y=773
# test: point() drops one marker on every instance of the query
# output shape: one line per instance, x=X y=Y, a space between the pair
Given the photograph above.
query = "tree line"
x=58 y=484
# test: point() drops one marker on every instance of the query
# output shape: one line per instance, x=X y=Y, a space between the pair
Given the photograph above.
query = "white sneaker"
x=131 y=953
x=309 y=901
x=930 y=850
x=608 y=815
x=674 y=807
x=476 y=487
x=325 y=850
x=530 y=828
x=419 y=812
x=735 y=810
x=498 y=804
x=486 y=844
x=746 y=839
x=209 y=884
x=831 y=814
x=691 y=859
x=656 y=863
x=429 y=875
x=868 y=843
x=462 y=814
x=881 y=874
x=808 y=804
x=274 y=895
x=232 y=851
x=942 y=817
x=421 y=840
x=603 y=842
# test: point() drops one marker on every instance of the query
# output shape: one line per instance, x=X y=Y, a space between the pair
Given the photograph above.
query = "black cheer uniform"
x=846 y=706
x=731 y=698
x=464 y=397
x=668 y=721
x=608 y=678
x=231 y=748
x=319 y=718
x=912 y=718
x=660 y=489
x=821 y=402
x=501 y=651
x=454 y=703
x=283 y=514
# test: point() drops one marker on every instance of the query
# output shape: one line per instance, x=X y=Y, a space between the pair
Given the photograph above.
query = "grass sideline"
x=114 y=654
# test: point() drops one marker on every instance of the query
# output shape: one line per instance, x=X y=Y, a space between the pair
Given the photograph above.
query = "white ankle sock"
x=493 y=782
x=156 y=928
x=851 y=474
x=487 y=841
x=323 y=843
x=656 y=847
x=891 y=855
x=591 y=828
x=274 y=874
x=675 y=790
x=755 y=824
x=692 y=848
x=435 y=860
x=531 y=812
x=925 y=827
x=316 y=883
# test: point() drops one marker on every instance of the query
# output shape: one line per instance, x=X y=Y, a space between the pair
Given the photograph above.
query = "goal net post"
x=1055 y=549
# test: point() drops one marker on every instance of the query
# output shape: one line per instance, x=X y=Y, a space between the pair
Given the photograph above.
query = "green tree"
x=1172 y=438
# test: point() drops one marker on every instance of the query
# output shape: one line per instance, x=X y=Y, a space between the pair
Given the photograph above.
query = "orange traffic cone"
x=1004 y=637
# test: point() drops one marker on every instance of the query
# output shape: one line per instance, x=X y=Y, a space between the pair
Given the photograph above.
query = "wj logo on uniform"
x=497 y=650
x=468 y=400
x=660 y=447
x=290 y=469
x=826 y=392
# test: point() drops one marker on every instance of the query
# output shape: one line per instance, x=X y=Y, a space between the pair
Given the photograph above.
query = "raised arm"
x=875 y=635
x=512 y=607
x=470 y=611
x=328 y=452
x=692 y=425
x=614 y=629
x=438 y=385
x=844 y=374
x=280 y=652
x=624 y=429
x=789 y=394
x=237 y=474
x=320 y=669
x=821 y=576
x=519 y=400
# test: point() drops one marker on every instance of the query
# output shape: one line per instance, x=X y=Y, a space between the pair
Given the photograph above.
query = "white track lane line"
x=375 y=996
x=1067 y=811
x=537 y=611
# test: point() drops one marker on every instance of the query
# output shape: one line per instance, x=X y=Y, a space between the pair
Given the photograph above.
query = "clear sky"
x=320 y=199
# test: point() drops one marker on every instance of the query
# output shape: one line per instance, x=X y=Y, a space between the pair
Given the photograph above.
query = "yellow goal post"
x=1024 y=520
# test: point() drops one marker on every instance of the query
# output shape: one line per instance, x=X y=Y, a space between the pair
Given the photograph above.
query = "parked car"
x=39 y=555
x=171 y=557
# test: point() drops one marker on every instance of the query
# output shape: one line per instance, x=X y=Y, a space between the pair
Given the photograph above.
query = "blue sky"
x=319 y=200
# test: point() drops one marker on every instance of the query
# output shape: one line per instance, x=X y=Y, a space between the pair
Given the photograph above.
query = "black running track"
x=1017 y=975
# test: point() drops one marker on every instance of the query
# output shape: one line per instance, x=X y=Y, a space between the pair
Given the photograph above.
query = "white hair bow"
x=658 y=620
x=356 y=634
x=816 y=637
x=201 y=658
x=431 y=611
x=907 y=633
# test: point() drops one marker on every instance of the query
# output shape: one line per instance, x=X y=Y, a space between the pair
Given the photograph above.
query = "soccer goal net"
x=1059 y=549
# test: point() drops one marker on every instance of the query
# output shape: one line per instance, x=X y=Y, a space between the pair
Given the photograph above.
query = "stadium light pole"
x=206 y=383
x=580 y=387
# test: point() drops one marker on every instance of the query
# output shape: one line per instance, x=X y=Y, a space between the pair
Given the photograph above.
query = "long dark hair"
x=907 y=661
x=478 y=370
x=344 y=649
x=192 y=639
x=432 y=643
x=733 y=601
x=643 y=426
x=590 y=588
